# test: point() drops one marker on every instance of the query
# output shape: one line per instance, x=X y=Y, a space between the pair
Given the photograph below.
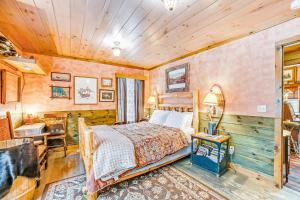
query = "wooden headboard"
x=182 y=102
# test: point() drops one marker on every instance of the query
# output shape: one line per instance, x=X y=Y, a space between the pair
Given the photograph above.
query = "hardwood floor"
x=60 y=167
x=242 y=185
x=294 y=176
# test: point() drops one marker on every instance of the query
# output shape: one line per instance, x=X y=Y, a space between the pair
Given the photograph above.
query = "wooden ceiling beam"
x=88 y=60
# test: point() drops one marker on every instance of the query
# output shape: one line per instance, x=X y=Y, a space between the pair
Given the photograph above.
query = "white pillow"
x=188 y=119
x=179 y=120
x=175 y=120
x=159 y=116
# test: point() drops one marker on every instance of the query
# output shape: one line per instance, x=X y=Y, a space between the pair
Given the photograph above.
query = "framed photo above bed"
x=56 y=76
x=106 y=95
x=177 y=78
x=85 y=90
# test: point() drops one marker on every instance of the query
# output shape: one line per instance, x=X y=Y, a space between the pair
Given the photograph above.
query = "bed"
x=112 y=154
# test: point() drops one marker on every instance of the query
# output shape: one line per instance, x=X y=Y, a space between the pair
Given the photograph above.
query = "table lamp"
x=152 y=102
x=213 y=99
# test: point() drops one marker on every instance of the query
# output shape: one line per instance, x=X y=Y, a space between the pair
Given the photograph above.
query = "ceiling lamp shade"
x=295 y=4
x=211 y=99
x=170 y=4
x=116 y=49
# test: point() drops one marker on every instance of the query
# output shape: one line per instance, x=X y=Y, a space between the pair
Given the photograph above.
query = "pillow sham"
x=159 y=116
x=179 y=119
x=188 y=119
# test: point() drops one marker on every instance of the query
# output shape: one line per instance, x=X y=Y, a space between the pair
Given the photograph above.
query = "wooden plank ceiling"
x=149 y=34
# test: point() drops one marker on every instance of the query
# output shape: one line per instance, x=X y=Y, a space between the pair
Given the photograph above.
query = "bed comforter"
x=122 y=148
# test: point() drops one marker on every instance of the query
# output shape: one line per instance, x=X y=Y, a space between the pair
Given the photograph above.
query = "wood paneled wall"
x=253 y=139
x=92 y=117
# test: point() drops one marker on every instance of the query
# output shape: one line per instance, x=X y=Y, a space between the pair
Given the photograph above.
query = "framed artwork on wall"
x=177 y=78
x=85 y=90
x=58 y=92
x=106 y=82
x=106 y=95
x=288 y=75
x=57 y=76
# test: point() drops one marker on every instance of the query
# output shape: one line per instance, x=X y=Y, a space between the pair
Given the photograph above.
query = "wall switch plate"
x=262 y=108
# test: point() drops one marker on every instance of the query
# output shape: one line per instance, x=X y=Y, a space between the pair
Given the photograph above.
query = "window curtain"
x=131 y=117
x=139 y=100
x=130 y=100
x=122 y=100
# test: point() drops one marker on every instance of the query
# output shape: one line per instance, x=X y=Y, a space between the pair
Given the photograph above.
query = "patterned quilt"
x=151 y=143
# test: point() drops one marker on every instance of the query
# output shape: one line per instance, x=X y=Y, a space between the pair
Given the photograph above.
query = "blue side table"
x=211 y=152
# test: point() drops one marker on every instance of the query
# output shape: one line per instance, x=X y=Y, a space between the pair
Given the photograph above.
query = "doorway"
x=291 y=116
x=287 y=120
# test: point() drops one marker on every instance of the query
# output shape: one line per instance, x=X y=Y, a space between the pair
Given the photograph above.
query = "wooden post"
x=86 y=146
x=278 y=145
x=196 y=110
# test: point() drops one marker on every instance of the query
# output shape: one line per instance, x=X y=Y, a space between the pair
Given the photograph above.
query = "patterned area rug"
x=164 y=183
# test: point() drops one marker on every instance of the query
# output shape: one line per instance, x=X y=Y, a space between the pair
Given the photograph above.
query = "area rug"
x=164 y=183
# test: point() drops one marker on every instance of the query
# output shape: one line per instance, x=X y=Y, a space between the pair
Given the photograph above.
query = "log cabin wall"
x=245 y=69
x=92 y=117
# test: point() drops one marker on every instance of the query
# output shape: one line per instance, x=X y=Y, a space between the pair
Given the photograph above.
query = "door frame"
x=278 y=142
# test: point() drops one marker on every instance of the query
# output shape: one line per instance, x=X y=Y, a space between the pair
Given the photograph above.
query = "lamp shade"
x=211 y=99
x=151 y=100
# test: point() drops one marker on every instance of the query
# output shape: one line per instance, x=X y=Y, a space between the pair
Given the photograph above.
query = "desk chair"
x=292 y=123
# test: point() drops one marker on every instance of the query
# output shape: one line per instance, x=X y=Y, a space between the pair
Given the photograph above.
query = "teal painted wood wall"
x=253 y=139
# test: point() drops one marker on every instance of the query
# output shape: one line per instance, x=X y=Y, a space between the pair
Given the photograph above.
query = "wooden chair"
x=23 y=188
x=292 y=123
x=6 y=129
x=62 y=117
x=7 y=133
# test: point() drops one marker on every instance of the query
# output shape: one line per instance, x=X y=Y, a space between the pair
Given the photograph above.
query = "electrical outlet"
x=261 y=108
x=231 y=150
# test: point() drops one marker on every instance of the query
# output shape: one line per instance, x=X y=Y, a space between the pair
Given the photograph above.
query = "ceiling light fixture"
x=27 y=67
x=295 y=4
x=170 y=4
x=116 y=49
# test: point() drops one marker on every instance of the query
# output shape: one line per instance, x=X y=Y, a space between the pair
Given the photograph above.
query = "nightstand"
x=210 y=152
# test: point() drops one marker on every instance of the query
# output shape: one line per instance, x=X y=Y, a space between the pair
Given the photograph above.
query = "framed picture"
x=85 y=90
x=106 y=82
x=106 y=95
x=60 y=92
x=177 y=78
x=56 y=76
x=288 y=75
